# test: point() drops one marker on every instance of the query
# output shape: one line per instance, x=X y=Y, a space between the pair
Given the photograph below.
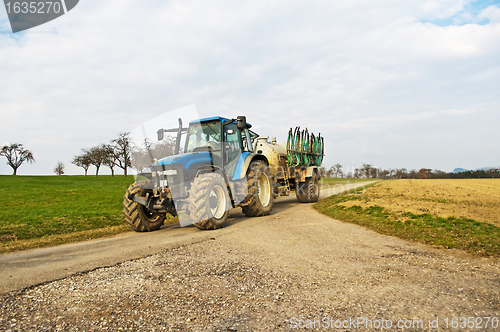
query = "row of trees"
x=368 y=171
x=121 y=152
x=479 y=174
x=364 y=171
x=116 y=153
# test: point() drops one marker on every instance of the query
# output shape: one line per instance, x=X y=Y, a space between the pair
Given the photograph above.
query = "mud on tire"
x=260 y=198
x=209 y=201
x=136 y=215
x=308 y=192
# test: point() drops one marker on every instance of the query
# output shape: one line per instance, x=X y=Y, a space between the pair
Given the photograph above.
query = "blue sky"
x=394 y=84
x=465 y=12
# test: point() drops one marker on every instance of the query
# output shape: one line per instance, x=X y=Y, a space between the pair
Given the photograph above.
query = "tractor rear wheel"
x=260 y=198
x=209 y=201
x=308 y=192
x=138 y=216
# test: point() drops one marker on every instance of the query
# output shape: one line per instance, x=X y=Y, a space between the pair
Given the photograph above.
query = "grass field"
x=45 y=210
x=460 y=214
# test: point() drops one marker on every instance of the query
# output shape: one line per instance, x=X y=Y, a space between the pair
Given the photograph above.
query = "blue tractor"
x=223 y=165
x=217 y=171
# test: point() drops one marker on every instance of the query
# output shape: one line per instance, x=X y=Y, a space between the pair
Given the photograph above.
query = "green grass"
x=461 y=233
x=44 y=210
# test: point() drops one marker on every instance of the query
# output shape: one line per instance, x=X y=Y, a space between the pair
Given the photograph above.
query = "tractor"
x=223 y=165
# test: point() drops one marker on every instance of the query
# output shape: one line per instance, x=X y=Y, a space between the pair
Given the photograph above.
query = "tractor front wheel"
x=209 y=201
x=138 y=216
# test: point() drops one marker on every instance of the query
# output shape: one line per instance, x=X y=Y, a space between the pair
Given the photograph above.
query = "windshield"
x=203 y=135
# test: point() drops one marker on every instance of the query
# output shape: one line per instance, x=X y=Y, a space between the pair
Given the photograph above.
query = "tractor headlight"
x=170 y=172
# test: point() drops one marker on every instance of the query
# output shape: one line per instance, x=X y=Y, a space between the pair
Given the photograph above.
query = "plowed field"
x=477 y=199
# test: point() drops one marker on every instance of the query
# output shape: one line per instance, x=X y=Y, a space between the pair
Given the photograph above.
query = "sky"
x=395 y=84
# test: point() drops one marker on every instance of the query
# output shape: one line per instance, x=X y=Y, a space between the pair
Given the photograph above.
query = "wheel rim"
x=150 y=216
x=217 y=202
x=264 y=189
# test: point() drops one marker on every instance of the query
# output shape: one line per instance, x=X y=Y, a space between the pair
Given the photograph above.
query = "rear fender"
x=311 y=170
x=244 y=162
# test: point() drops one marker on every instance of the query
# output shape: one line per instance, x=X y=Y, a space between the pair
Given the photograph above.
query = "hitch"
x=146 y=201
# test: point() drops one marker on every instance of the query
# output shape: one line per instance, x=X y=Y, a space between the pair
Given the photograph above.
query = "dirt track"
x=275 y=272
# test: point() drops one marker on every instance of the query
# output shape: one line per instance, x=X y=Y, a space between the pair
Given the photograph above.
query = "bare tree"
x=382 y=173
x=329 y=172
x=123 y=151
x=82 y=160
x=144 y=157
x=98 y=155
x=365 y=170
x=368 y=170
x=16 y=155
x=111 y=158
x=163 y=148
x=322 y=171
x=337 y=170
x=140 y=160
x=59 y=170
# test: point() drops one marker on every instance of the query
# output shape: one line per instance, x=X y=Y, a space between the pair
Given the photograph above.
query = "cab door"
x=231 y=148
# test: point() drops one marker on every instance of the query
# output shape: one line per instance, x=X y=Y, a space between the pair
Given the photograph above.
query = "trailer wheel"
x=308 y=192
x=209 y=201
x=260 y=198
x=137 y=216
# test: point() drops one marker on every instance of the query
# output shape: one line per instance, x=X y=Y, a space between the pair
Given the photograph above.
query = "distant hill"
x=459 y=170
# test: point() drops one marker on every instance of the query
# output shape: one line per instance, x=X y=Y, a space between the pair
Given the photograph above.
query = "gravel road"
x=295 y=268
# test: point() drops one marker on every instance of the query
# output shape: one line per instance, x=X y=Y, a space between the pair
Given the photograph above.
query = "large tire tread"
x=135 y=214
x=198 y=199
x=308 y=192
x=252 y=207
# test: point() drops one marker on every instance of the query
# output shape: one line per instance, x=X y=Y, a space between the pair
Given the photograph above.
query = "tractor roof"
x=211 y=118
x=219 y=118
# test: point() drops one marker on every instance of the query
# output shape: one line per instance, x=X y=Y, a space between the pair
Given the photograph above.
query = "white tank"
x=275 y=154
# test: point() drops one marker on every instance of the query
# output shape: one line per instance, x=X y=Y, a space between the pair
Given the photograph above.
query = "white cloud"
x=491 y=13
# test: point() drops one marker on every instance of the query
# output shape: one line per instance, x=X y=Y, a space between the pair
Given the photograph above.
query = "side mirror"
x=160 y=134
x=241 y=122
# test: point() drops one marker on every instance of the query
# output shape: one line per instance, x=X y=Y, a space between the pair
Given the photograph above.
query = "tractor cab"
x=221 y=140
x=226 y=140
